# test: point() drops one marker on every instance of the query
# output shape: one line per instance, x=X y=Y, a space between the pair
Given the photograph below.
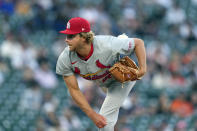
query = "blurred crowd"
x=164 y=100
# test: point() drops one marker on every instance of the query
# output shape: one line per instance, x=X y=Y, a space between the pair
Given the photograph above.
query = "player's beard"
x=76 y=46
x=71 y=48
x=79 y=47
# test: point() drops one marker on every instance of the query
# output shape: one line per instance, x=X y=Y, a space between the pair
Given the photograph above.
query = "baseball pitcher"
x=96 y=58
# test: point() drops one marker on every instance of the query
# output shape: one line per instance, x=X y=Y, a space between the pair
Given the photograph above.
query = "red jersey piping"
x=89 y=55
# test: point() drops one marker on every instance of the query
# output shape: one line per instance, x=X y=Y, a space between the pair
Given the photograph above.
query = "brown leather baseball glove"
x=125 y=70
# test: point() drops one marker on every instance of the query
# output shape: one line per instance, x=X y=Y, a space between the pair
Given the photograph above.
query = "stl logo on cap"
x=76 y=25
x=68 y=25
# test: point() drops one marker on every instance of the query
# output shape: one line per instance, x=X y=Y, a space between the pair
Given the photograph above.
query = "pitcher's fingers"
x=133 y=70
x=104 y=119
x=101 y=125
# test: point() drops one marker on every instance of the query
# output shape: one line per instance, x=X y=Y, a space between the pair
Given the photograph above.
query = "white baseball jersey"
x=104 y=54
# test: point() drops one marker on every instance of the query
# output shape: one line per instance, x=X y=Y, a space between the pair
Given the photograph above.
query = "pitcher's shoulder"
x=103 y=37
x=103 y=40
x=64 y=54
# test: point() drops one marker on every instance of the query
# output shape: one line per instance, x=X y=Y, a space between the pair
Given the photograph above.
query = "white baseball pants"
x=114 y=99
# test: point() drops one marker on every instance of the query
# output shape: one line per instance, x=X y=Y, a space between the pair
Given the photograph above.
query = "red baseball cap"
x=76 y=25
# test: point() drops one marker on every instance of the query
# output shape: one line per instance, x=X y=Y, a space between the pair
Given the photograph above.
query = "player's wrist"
x=91 y=113
x=141 y=72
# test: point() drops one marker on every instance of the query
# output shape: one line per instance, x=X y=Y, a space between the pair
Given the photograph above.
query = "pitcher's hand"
x=99 y=120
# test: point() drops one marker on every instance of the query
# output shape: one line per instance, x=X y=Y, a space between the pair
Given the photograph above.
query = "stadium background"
x=34 y=98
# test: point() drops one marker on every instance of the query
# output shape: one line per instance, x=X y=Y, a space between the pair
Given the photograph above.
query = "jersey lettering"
x=107 y=77
x=77 y=71
x=100 y=65
x=95 y=77
x=73 y=62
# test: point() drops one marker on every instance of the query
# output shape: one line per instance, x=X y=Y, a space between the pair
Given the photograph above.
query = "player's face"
x=73 y=41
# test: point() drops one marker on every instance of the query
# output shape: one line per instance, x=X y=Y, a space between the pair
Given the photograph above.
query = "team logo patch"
x=68 y=25
x=130 y=45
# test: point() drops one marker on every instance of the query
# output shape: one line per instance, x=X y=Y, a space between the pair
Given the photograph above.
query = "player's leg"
x=114 y=98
